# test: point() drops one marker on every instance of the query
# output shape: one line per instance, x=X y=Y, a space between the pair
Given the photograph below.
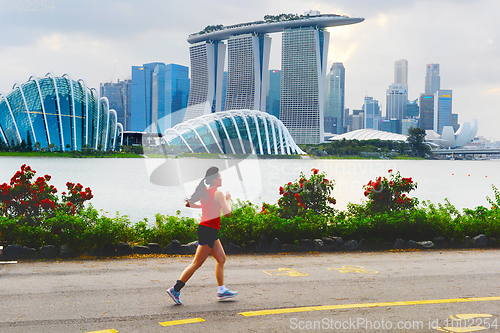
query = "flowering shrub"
x=34 y=200
x=304 y=195
x=390 y=194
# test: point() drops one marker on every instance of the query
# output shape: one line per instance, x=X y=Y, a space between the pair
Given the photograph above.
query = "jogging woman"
x=211 y=201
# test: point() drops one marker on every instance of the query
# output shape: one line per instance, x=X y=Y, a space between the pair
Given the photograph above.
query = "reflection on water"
x=141 y=188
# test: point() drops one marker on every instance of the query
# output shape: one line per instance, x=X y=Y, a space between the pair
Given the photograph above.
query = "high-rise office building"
x=207 y=73
x=335 y=95
x=432 y=79
x=454 y=122
x=248 y=71
x=158 y=93
x=426 y=106
x=303 y=71
x=397 y=97
x=406 y=124
x=274 y=93
x=170 y=95
x=118 y=95
x=141 y=97
x=357 y=120
x=372 y=113
x=412 y=109
x=401 y=72
x=442 y=109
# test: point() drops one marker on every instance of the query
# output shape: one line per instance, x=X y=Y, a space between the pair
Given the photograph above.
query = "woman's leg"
x=202 y=252
x=219 y=255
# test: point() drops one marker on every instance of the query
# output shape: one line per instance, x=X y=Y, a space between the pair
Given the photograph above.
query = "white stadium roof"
x=369 y=134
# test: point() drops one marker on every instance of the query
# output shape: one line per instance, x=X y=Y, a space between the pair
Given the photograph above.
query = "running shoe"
x=175 y=295
x=226 y=294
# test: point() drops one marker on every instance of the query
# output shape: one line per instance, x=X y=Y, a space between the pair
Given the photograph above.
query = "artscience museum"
x=451 y=139
x=58 y=112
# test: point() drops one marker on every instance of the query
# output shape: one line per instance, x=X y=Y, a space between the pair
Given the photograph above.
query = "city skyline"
x=102 y=48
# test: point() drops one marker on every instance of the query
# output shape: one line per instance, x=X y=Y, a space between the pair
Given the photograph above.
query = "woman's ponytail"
x=201 y=189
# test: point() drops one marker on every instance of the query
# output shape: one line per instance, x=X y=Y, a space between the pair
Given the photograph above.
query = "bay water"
x=141 y=188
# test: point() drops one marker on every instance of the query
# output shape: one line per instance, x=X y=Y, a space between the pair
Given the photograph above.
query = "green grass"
x=71 y=154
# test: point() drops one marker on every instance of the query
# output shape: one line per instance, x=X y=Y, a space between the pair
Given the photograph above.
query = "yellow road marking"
x=182 y=321
x=354 y=269
x=459 y=330
x=285 y=271
x=457 y=323
x=366 y=305
x=470 y=315
x=105 y=331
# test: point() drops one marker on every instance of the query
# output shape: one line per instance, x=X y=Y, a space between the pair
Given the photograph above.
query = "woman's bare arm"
x=224 y=201
x=192 y=205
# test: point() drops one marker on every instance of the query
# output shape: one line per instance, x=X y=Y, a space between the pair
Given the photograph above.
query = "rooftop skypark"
x=272 y=23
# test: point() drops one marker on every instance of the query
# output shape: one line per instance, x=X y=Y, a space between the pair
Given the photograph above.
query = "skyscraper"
x=335 y=93
x=372 y=113
x=401 y=72
x=303 y=71
x=207 y=72
x=426 y=104
x=170 y=95
x=274 y=93
x=304 y=56
x=442 y=109
x=397 y=97
x=118 y=95
x=432 y=79
x=247 y=76
x=141 y=96
x=412 y=109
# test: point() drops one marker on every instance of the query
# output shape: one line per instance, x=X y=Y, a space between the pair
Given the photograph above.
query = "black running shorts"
x=207 y=235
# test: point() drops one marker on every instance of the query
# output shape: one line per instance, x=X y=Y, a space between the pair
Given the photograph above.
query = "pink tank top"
x=210 y=210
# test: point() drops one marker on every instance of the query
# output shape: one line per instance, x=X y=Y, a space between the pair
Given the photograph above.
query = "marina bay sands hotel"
x=303 y=69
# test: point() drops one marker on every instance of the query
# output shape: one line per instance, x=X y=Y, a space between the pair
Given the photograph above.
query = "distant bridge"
x=487 y=151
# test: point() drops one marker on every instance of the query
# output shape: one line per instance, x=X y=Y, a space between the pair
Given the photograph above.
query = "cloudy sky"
x=101 y=40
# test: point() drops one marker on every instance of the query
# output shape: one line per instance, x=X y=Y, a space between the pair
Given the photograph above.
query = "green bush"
x=304 y=211
x=168 y=228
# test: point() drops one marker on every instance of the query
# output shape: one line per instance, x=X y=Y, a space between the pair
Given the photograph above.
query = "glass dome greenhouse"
x=232 y=132
x=58 y=112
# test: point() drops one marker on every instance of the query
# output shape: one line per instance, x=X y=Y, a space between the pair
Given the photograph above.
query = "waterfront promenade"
x=340 y=291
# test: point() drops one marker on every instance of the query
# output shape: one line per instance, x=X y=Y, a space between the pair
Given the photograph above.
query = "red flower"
x=389 y=171
x=366 y=193
x=48 y=204
x=315 y=171
x=282 y=190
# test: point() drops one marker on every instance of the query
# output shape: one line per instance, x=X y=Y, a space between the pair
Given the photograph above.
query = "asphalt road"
x=421 y=291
